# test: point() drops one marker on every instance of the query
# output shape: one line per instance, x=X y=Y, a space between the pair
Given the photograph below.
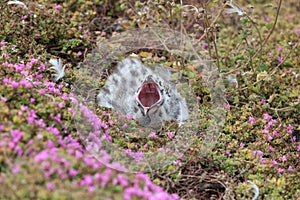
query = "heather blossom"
x=170 y=135
x=227 y=107
x=274 y=162
x=290 y=129
x=152 y=135
x=259 y=153
x=280 y=170
x=271 y=148
x=280 y=59
x=263 y=101
x=251 y=120
x=58 y=7
x=267 y=116
x=47 y=155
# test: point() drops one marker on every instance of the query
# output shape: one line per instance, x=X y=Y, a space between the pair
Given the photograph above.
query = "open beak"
x=148 y=95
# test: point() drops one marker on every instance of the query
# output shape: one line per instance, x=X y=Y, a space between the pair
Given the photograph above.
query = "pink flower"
x=227 y=153
x=50 y=144
x=204 y=45
x=274 y=162
x=298 y=31
x=3 y=99
x=30 y=119
x=2 y=44
x=266 y=130
x=262 y=161
x=227 y=107
x=242 y=144
x=79 y=53
x=42 y=91
x=88 y=180
x=91 y=189
x=33 y=61
x=19 y=150
x=121 y=179
x=263 y=101
x=258 y=152
x=40 y=123
x=170 y=135
x=60 y=105
x=4 y=55
x=54 y=130
x=290 y=168
x=39 y=136
x=73 y=172
x=50 y=186
x=275 y=133
x=16 y=135
x=42 y=67
x=43 y=155
x=110 y=123
x=268 y=19
x=279 y=49
x=39 y=76
x=14 y=84
x=58 y=7
x=64 y=97
x=280 y=59
x=280 y=170
x=15 y=169
x=290 y=129
x=129 y=116
x=283 y=158
x=270 y=148
x=78 y=154
x=267 y=116
x=23 y=82
x=5 y=81
x=57 y=118
x=251 y=120
x=11 y=145
x=152 y=135
x=270 y=138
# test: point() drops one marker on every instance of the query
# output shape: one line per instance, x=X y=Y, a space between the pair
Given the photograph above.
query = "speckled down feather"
x=121 y=87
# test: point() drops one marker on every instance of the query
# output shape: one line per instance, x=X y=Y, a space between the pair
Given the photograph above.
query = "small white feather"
x=17 y=3
x=255 y=190
x=58 y=68
x=234 y=8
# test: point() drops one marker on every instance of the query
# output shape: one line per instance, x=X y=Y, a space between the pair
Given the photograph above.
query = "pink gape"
x=148 y=95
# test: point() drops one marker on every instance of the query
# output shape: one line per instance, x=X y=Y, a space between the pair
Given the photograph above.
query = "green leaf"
x=263 y=67
x=268 y=5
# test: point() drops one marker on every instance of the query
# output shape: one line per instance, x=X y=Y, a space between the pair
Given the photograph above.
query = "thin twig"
x=210 y=27
x=264 y=42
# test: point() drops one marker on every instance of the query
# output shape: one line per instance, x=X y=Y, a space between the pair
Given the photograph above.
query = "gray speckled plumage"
x=121 y=89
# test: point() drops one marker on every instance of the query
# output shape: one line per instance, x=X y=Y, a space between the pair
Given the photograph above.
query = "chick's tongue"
x=149 y=94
